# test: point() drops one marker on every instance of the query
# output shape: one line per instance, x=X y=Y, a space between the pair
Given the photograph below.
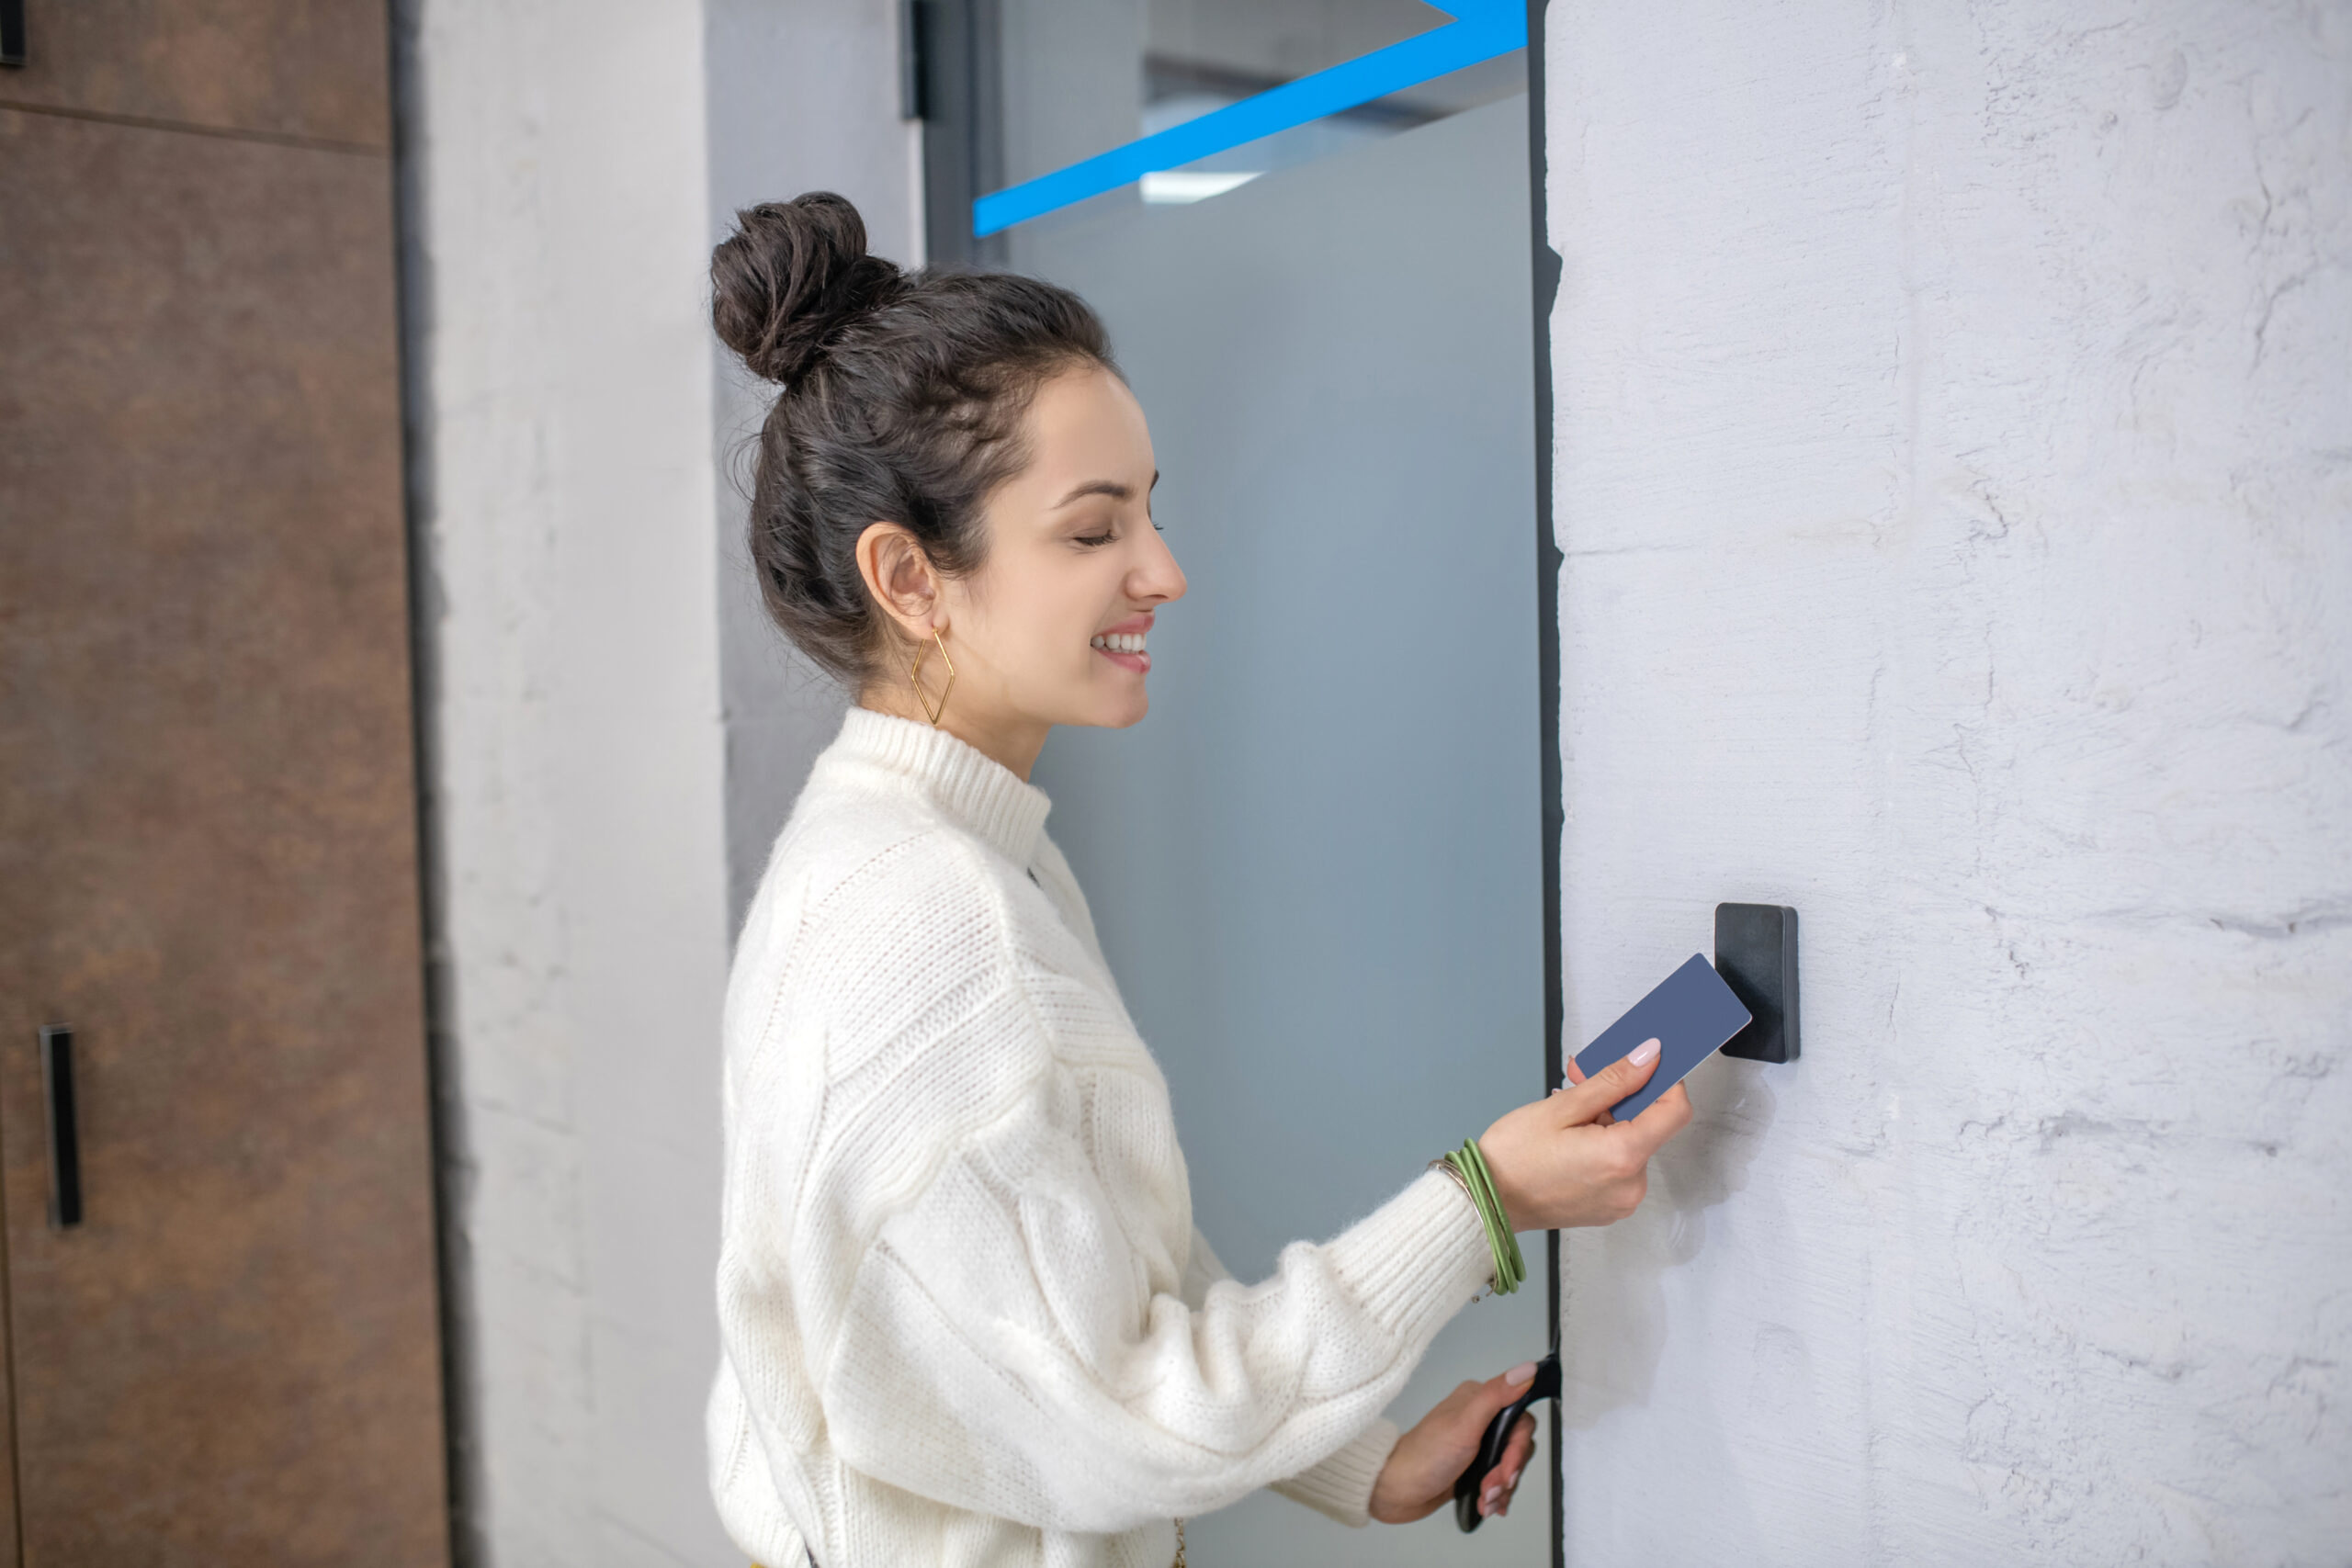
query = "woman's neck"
x=1012 y=742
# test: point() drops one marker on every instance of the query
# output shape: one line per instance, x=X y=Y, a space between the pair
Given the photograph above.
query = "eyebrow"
x=1110 y=488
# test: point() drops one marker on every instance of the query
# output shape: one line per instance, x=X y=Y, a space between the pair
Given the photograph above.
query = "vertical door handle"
x=1545 y=1384
x=12 y=32
x=64 y=1141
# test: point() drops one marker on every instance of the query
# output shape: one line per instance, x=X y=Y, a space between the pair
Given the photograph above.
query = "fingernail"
x=1520 y=1374
x=1644 y=1053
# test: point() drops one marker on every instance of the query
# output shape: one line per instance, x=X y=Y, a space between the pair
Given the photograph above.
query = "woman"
x=966 y=1317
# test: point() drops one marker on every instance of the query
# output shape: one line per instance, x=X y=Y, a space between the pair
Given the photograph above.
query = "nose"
x=1157 y=577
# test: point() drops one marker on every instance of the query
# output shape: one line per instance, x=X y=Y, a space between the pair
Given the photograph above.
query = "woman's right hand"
x=1562 y=1161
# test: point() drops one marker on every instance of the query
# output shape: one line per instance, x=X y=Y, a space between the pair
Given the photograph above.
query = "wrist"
x=1454 y=1176
x=1498 y=1173
x=1468 y=1165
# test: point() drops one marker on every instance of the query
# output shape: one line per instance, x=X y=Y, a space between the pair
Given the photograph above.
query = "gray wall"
x=1955 y=466
x=802 y=96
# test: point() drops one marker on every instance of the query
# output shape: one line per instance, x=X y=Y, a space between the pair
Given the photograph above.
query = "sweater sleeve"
x=1037 y=1380
x=1339 y=1486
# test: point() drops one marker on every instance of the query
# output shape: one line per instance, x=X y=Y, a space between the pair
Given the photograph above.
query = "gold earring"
x=914 y=678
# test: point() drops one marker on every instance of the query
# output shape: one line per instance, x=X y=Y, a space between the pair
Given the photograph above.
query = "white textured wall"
x=1955 y=466
x=562 y=411
x=613 y=733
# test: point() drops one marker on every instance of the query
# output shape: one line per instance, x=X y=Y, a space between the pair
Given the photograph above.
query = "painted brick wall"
x=612 y=733
x=1955 y=478
x=560 y=407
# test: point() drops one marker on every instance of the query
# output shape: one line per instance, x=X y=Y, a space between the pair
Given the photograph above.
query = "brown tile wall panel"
x=207 y=858
x=313 y=69
x=8 y=1555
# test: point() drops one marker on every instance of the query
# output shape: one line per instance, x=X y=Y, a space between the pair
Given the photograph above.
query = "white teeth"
x=1119 y=642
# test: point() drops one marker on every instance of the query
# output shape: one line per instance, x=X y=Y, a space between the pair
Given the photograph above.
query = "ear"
x=899 y=576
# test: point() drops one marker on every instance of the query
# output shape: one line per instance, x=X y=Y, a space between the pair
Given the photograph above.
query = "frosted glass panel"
x=1316 y=865
x=1082 y=76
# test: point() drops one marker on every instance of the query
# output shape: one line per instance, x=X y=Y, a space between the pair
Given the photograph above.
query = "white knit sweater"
x=965 y=1316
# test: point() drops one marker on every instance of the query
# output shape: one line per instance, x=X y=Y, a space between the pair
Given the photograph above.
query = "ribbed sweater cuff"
x=1342 y=1485
x=1417 y=1259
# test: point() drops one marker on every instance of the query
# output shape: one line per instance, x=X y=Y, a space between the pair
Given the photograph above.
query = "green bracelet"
x=1469 y=1164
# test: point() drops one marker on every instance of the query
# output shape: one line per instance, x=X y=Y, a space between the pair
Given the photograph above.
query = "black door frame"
x=1549 y=560
x=954 y=82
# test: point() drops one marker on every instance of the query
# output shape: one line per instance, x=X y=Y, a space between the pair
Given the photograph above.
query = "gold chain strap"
x=1180 y=1544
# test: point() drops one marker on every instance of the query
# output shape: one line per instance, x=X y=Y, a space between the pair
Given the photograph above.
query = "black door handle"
x=1545 y=1384
x=65 y=1142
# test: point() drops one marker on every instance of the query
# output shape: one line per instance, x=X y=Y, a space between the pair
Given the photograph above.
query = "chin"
x=1112 y=699
x=1119 y=714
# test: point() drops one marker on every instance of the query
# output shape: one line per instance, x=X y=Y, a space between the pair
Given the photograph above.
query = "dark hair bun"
x=790 y=277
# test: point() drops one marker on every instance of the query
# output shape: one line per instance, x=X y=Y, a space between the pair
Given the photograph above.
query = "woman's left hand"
x=1418 y=1478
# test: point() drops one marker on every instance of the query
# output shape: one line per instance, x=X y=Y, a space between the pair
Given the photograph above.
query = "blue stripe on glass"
x=1480 y=31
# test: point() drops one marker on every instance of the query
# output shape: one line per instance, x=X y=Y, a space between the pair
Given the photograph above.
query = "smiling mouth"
x=1124 y=650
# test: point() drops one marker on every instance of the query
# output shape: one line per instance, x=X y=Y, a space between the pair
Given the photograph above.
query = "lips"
x=1122 y=644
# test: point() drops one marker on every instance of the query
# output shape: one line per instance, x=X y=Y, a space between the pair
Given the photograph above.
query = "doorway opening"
x=1325 y=871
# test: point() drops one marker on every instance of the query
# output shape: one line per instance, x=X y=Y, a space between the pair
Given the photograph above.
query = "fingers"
x=1668 y=1115
x=1502 y=1481
x=1471 y=1404
x=1593 y=1096
x=1497 y=1392
x=1575 y=1075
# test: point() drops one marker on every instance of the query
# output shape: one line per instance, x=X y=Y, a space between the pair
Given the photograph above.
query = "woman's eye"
x=1091 y=540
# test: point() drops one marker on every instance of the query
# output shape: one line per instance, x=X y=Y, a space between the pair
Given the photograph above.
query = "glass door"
x=1316 y=867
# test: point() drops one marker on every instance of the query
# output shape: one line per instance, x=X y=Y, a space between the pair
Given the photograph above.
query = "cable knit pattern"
x=965 y=1316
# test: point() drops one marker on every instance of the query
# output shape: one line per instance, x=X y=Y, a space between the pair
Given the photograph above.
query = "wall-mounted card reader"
x=1756 y=953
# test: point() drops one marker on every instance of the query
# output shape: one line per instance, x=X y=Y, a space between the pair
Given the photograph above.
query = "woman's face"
x=1050 y=629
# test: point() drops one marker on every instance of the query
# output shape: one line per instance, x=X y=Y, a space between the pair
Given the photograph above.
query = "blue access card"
x=1690 y=1014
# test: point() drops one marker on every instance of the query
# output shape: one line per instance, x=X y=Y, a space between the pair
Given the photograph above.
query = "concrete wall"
x=597 y=720
x=1955 y=465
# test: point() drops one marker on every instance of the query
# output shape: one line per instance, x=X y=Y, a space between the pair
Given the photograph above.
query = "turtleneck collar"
x=973 y=787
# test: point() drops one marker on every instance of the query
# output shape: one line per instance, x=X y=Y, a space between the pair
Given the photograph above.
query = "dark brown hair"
x=902 y=402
